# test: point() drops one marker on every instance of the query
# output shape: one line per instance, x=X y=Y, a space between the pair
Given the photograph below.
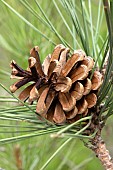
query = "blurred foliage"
x=16 y=40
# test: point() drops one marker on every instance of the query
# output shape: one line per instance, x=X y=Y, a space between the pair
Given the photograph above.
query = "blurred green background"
x=16 y=40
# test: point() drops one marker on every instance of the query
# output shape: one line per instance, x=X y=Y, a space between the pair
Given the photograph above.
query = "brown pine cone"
x=62 y=86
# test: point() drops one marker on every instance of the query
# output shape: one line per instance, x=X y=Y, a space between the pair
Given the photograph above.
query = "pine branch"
x=59 y=87
x=100 y=150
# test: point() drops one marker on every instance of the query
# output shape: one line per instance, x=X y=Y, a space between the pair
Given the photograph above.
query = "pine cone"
x=62 y=86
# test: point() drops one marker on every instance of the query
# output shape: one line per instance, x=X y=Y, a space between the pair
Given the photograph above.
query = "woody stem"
x=99 y=148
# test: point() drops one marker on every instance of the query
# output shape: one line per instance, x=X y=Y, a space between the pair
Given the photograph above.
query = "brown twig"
x=17 y=154
x=99 y=147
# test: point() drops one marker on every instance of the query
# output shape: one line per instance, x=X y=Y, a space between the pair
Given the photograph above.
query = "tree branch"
x=99 y=148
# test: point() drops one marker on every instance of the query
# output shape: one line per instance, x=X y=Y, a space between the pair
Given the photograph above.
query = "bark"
x=99 y=147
